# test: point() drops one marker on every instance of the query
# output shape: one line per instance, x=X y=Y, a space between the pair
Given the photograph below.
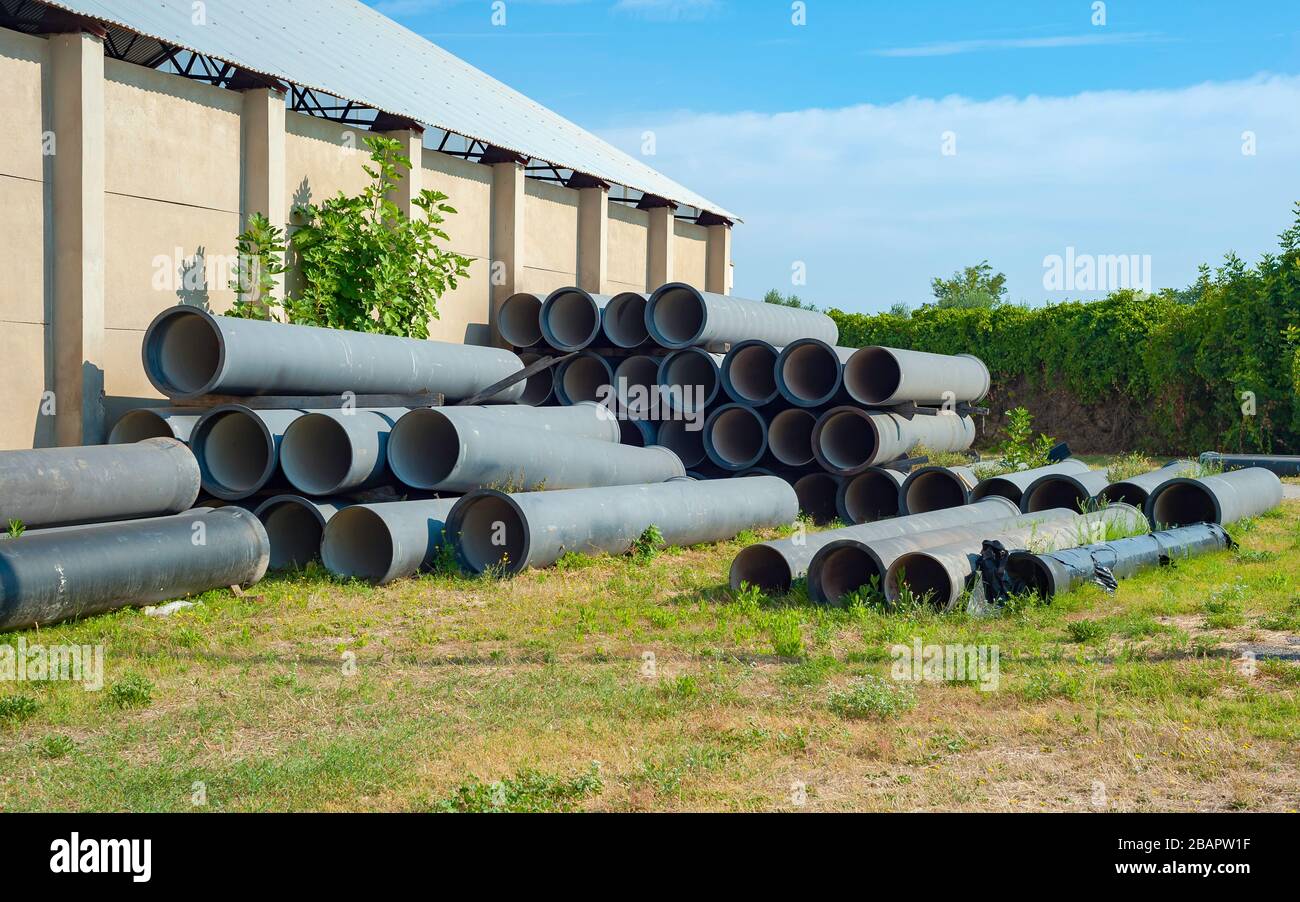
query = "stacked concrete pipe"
x=749 y=373
x=333 y=452
x=1224 y=498
x=1073 y=491
x=869 y=496
x=881 y=377
x=789 y=437
x=848 y=440
x=933 y=488
x=1012 y=485
x=817 y=493
x=154 y=422
x=238 y=449
x=492 y=529
x=585 y=377
x=1136 y=489
x=810 y=373
x=689 y=379
x=379 y=543
x=623 y=320
x=681 y=316
x=518 y=320
x=295 y=527
x=735 y=437
x=570 y=318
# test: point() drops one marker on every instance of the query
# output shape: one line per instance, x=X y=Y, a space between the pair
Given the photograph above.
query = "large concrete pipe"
x=1073 y=491
x=846 y=565
x=379 y=543
x=847 y=440
x=238 y=449
x=189 y=353
x=940 y=574
x=54 y=575
x=518 y=320
x=749 y=373
x=636 y=386
x=735 y=437
x=444 y=450
x=638 y=433
x=570 y=318
x=1225 y=498
x=1136 y=489
x=540 y=386
x=59 y=486
x=330 y=452
x=295 y=526
x=685 y=438
x=774 y=566
x=884 y=376
x=623 y=320
x=587 y=377
x=533 y=529
x=809 y=373
x=1012 y=485
x=869 y=496
x=679 y=316
x=155 y=422
x=789 y=436
x=1279 y=464
x=817 y=493
x=689 y=380
x=1048 y=574
x=935 y=488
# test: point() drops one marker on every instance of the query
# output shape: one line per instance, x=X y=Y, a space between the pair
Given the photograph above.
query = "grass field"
x=645 y=684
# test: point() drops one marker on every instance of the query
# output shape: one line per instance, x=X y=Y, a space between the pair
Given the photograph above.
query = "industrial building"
x=140 y=136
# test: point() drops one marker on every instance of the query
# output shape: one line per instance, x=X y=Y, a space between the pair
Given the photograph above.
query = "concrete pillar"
x=77 y=89
x=717 y=261
x=593 y=239
x=507 y=263
x=410 y=186
x=659 y=256
x=262 y=133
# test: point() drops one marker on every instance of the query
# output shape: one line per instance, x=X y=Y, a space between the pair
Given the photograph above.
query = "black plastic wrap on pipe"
x=1278 y=464
x=58 y=574
x=1057 y=572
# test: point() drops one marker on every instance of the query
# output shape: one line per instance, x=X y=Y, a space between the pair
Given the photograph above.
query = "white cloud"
x=952 y=48
x=865 y=198
x=668 y=10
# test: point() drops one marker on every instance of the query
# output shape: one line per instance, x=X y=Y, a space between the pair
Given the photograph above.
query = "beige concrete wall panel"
x=468 y=187
x=24 y=66
x=22 y=251
x=629 y=230
x=22 y=348
x=551 y=232
x=690 y=253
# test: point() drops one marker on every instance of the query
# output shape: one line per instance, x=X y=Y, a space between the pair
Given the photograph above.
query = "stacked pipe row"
x=737 y=387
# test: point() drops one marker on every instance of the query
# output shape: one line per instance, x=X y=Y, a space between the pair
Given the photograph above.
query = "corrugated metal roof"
x=349 y=50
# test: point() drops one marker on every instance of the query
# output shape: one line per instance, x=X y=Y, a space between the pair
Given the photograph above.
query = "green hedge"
x=1182 y=360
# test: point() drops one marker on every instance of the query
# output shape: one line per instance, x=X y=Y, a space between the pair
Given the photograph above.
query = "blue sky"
x=883 y=143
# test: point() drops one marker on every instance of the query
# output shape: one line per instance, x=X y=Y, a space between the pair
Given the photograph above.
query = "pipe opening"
x=1182 y=504
x=235 y=451
x=761 y=566
x=1126 y=492
x=540 y=386
x=687 y=444
x=737 y=437
x=1030 y=571
x=316 y=454
x=138 y=425
x=518 y=320
x=295 y=532
x=357 y=544
x=581 y=379
x=816 y=493
x=870 y=496
x=634 y=382
x=1054 y=492
x=423 y=449
x=624 y=320
x=810 y=373
x=790 y=437
x=571 y=318
x=678 y=315
x=689 y=379
x=185 y=352
x=751 y=372
x=934 y=490
x=872 y=376
x=996 y=487
x=847 y=440
x=491 y=532
x=925 y=577
x=843 y=571
x=637 y=433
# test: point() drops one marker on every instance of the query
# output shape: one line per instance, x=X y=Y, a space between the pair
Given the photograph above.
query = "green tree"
x=974 y=286
x=790 y=300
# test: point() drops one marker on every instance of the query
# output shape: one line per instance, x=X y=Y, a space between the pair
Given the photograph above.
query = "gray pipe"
x=295 y=526
x=941 y=573
x=679 y=315
x=1136 y=489
x=518 y=320
x=238 y=449
x=847 y=440
x=189 y=353
x=1279 y=464
x=685 y=438
x=749 y=373
x=540 y=386
x=689 y=379
x=533 y=529
x=379 y=543
x=789 y=436
x=638 y=433
x=1054 y=573
x=329 y=452
x=55 y=575
x=623 y=320
x=774 y=566
x=446 y=450
x=570 y=318
x=636 y=386
x=935 y=488
x=58 y=486
x=885 y=376
x=1073 y=491
x=1012 y=486
x=846 y=565
x=809 y=373
x=735 y=437
x=155 y=422
x=587 y=377
x=817 y=493
x=1225 y=498
x=869 y=496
